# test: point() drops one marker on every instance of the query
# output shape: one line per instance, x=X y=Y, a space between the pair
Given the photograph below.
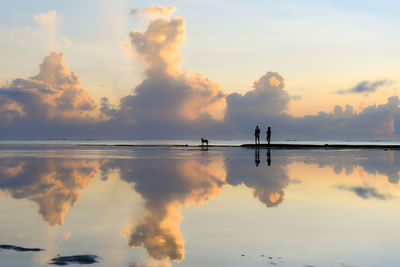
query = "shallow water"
x=161 y=206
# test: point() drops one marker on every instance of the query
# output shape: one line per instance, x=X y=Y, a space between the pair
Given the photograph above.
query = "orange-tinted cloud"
x=154 y=11
x=53 y=94
x=168 y=93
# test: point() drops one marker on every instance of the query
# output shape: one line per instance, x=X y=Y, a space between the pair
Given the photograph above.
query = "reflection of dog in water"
x=204 y=141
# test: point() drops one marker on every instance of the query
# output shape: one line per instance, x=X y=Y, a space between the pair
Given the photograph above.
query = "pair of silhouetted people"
x=257 y=132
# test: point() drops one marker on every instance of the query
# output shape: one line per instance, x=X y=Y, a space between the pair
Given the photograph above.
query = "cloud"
x=54 y=93
x=154 y=11
x=49 y=24
x=365 y=87
x=168 y=100
x=365 y=192
x=52 y=98
x=67 y=41
x=268 y=98
x=160 y=44
x=46 y=19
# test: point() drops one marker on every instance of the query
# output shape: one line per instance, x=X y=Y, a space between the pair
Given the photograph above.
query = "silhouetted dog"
x=204 y=141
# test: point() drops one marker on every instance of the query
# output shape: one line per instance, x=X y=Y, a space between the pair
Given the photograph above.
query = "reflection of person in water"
x=269 y=135
x=257 y=157
x=257 y=135
x=268 y=157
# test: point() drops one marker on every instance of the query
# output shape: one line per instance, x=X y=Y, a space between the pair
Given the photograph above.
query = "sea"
x=162 y=203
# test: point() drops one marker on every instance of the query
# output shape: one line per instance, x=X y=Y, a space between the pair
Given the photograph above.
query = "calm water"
x=165 y=206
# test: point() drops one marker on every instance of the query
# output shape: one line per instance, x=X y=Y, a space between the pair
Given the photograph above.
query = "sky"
x=336 y=63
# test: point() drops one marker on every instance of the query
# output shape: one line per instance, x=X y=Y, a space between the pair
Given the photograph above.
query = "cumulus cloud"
x=365 y=87
x=53 y=97
x=365 y=192
x=54 y=93
x=268 y=98
x=154 y=11
x=168 y=100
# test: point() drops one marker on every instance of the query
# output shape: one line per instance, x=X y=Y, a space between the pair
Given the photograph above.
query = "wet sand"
x=324 y=146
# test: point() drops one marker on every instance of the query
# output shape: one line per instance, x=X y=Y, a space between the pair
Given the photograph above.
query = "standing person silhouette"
x=269 y=135
x=257 y=135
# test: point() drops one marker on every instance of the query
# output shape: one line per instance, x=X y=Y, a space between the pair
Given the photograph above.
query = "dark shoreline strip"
x=275 y=146
x=325 y=146
x=249 y=146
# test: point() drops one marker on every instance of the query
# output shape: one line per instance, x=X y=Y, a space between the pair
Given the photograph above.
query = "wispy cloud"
x=365 y=87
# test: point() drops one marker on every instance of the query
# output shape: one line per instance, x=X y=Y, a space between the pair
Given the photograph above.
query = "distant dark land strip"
x=323 y=146
x=265 y=146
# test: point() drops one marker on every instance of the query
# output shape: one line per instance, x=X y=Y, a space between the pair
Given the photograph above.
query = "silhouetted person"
x=257 y=157
x=269 y=135
x=269 y=157
x=257 y=135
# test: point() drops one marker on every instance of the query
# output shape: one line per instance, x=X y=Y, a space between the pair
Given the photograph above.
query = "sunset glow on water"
x=185 y=207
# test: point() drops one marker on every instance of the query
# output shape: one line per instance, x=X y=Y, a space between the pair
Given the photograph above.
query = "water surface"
x=169 y=206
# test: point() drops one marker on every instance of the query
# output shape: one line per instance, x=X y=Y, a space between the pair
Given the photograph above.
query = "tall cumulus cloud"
x=168 y=98
x=52 y=97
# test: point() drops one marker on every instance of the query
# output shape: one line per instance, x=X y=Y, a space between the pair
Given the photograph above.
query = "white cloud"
x=154 y=11
x=67 y=41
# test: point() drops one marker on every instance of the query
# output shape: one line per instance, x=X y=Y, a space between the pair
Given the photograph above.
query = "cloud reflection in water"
x=168 y=183
x=54 y=184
